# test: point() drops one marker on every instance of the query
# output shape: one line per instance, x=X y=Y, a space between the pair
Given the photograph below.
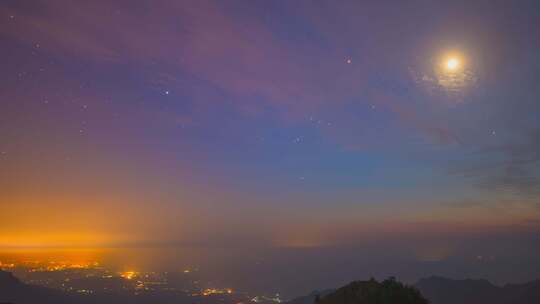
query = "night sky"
x=320 y=134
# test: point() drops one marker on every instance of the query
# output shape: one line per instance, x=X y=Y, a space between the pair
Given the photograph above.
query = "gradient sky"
x=273 y=124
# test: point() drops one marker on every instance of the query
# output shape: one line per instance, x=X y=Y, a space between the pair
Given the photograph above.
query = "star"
x=349 y=60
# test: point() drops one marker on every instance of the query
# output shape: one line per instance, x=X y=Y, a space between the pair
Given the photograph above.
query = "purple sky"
x=277 y=127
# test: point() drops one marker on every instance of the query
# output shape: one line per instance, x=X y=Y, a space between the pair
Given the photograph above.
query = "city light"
x=213 y=291
x=129 y=275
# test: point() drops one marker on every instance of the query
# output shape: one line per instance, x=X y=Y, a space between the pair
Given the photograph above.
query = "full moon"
x=453 y=73
x=452 y=64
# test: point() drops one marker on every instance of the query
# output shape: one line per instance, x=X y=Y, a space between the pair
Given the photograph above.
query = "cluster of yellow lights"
x=129 y=275
x=140 y=286
x=60 y=267
x=37 y=266
x=57 y=266
x=213 y=291
x=7 y=265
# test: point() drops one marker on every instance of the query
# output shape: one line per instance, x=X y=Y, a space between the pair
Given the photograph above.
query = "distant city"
x=94 y=278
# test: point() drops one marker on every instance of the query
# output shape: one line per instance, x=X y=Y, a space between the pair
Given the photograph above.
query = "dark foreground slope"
x=372 y=292
x=437 y=290
x=14 y=291
x=447 y=291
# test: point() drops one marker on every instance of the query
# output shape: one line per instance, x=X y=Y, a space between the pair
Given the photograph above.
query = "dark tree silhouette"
x=389 y=291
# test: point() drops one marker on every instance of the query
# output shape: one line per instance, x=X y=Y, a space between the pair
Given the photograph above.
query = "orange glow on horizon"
x=59 y=240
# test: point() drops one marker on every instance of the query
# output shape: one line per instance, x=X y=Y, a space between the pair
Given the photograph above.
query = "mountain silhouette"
x=388 y=291
x=441 y=290
x=437 y=290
